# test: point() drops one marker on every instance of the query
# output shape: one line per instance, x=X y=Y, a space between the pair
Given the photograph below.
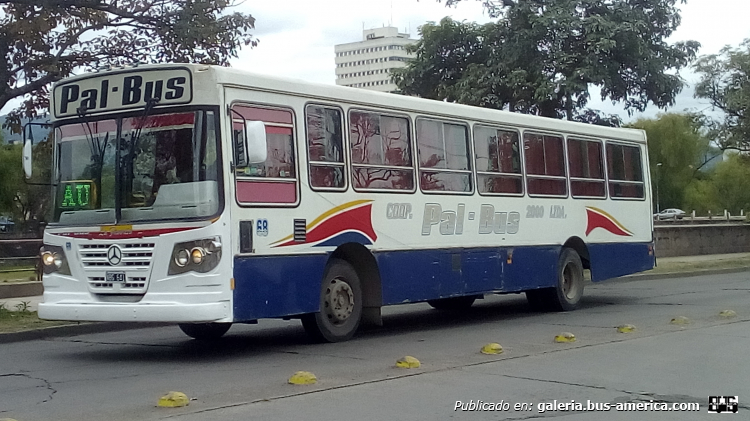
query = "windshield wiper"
x=150 y=103
x=98 y=148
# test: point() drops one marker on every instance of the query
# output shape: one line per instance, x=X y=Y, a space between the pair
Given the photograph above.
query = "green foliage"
x=42 y=42
x=10 y=177
x=676 y=150
x=29 y=204
x=541 y=56
x=725 y=82
x=727 y=188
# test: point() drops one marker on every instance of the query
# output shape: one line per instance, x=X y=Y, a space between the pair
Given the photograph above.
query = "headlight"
x=198 y=256
x=181 y=258
x=53 y=260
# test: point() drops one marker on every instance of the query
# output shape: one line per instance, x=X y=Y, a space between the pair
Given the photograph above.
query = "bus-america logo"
x=597 y=218
x=348 y=223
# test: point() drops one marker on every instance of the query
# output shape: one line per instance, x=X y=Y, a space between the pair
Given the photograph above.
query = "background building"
x=367 y=64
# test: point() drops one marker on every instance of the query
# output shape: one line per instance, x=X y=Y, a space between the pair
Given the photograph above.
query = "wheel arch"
x=580 y=247
x=364 y=263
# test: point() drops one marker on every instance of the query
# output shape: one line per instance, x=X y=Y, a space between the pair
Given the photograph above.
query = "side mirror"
x=27 y=158
x=255 y=142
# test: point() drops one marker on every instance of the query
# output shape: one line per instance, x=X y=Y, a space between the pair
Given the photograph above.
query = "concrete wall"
x=16 y=252
x=20 y=248
x=692 y=240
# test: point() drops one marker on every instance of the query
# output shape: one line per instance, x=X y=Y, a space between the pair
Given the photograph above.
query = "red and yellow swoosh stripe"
x=598 y=218
x=350 y=220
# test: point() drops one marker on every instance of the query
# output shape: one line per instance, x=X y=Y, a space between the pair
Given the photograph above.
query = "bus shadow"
x=257 y=341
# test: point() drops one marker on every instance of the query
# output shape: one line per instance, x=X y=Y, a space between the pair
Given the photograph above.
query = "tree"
x=728 y=187
x=725 y=82
x=29 y=204
x=10 y=177
x=43 y=42
x=677 y=149
x=542 y=56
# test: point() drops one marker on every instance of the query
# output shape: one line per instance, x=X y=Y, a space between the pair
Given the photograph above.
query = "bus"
x=205 y=196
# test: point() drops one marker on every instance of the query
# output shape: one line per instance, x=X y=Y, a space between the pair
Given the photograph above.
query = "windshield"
x=136 y=169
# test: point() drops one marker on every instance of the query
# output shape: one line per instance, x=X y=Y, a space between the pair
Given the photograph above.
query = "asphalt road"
x=120 y=375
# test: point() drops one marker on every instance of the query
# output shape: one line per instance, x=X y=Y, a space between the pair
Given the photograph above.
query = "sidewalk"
x=30 y=303
x=21 y=303
x=704 y=258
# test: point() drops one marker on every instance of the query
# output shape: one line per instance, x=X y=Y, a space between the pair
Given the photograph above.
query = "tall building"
x=367 y=64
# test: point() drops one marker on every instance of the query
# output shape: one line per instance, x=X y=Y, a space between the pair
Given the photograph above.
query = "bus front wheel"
x=568 y=291
x=340 y=304
x=205 y=331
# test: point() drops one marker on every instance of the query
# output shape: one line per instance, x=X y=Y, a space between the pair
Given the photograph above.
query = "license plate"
x=115 y=276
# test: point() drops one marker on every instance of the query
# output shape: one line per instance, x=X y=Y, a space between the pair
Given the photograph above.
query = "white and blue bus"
x=207 y=196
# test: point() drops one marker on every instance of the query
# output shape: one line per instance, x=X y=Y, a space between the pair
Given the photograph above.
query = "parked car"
x=670 y=213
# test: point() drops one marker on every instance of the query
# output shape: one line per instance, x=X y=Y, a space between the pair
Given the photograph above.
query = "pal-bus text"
x=452 y=222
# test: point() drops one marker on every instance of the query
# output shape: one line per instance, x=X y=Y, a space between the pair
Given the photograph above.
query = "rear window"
x=625 y=171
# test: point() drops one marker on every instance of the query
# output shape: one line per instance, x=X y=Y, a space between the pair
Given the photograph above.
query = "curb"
x=21 y=289
x=672 y=275
x=85 y=328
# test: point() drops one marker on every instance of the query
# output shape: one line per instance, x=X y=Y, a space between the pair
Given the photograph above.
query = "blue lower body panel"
x=613 y=260
x=278 y=286
x=412 y=276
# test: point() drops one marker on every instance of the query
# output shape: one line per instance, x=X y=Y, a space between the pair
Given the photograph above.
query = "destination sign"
x=124 y=90
x=77 y=194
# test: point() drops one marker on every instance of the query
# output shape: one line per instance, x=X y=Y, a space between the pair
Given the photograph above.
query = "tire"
x=340 y=305
x=567 y=293
x=453 y=303
x=205 y=331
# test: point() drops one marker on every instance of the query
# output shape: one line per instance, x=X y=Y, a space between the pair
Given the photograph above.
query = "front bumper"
x=136 y=312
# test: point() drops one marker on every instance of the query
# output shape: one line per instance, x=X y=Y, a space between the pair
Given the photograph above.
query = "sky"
x=297 y=36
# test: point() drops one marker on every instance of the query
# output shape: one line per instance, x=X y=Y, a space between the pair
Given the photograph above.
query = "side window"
x=381 y=152
x=443 y=156
x=275 y=180
x=586 y=166
x=625 y=171
x=498 y=161
x=324 y=146
x=545 y=165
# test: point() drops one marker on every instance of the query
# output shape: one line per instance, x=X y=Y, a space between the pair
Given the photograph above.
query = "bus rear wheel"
x=340 y=305
x=205 y=331
x=453 y=303
x=567 y=293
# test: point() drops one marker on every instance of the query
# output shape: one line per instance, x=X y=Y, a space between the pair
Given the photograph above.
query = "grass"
x=698 y=265
x=22 y=319
x=24 y=275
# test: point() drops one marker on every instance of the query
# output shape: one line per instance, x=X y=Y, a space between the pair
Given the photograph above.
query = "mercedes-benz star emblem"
x=114 y=255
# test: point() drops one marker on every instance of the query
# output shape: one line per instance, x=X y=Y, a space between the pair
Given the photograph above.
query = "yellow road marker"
x=303 y=377
x=626 y=328
x=408 y=362
x=173 y=400
x=565 y=337
x=492 y=349
x=728 y=314
x=680 y=320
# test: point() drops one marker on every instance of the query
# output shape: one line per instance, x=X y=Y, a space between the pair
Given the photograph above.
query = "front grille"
x=135 y=263
x=137 y=254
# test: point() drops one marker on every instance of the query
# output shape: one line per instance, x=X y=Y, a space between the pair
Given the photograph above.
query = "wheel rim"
x=338 y=301
x=570 y=282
